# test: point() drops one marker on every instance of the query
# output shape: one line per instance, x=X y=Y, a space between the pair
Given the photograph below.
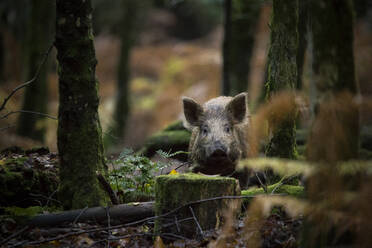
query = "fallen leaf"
x=158 y=242
x=173 y=172
x=2 y=161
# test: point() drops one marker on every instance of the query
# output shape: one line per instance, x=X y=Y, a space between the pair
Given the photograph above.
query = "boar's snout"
x=216 y=151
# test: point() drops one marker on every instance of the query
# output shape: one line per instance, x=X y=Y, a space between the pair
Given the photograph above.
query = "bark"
x=171 y=194
x=119 y=214
x=335 y=83
x=303 y=22
x=241 y=18
x=79 y=131
x=333 y=58
x=39 y=38
x=283 y=73
x=130 y=13
x=225 y=87
x=2 y=54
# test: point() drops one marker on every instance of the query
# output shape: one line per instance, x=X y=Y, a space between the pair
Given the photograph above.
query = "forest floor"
x=25 y=174
x=277 y=231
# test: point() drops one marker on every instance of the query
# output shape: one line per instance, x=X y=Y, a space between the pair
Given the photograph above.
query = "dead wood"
x=119 y=214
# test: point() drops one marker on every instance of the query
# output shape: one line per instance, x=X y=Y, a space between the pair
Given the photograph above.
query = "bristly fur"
x=217 y=114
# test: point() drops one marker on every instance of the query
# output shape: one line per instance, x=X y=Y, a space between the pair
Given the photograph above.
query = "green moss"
x=173 y=141
x=17 y=182
x=23 y=212
x=16 y=161
x=175 y=126
x=173 y=191
x=292 y=190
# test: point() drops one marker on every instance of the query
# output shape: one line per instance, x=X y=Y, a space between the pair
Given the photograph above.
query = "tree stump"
x=185 y=193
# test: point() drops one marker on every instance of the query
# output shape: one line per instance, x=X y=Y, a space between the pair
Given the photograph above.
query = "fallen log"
x=118 y=214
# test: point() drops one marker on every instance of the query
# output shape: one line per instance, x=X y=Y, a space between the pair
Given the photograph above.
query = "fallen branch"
x=123 y=213
x=106 y=186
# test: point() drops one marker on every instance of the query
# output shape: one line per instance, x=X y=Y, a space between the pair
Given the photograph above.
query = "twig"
x=46 y=55
x=28 y=112
x=181 y=165
x=14 y=235
x=281 y=183
x=178 y=222
x=108 y=226
x=50 y=197
x=131 y=223
x=177 y=226
x=120 y=237
x=264 y=186
x=196 y=221
x=77 y=217
x=45 y=197
x=106 y=186
x=276 y=187
x=173 y=235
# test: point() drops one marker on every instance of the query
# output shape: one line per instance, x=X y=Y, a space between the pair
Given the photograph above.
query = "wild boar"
x=218 y=138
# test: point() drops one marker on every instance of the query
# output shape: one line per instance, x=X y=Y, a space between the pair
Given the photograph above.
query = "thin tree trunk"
x=225 y=84
x=241 y=18
x=335 y=83
x=303 y=22
x=79 y=131
x=131 y=11
x=36 y=95
x=283 y=73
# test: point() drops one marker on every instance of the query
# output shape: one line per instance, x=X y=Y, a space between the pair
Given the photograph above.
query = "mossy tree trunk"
x=39 y=37
x=79 y=130
x=332 y=24
x=2 y=54
x=241 y=18
x=283 y=72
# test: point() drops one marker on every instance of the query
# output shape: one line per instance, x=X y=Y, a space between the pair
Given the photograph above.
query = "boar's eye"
x=227 y=129
x=204 y=130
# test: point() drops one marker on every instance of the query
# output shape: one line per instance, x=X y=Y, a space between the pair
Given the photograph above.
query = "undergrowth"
x=133 y=175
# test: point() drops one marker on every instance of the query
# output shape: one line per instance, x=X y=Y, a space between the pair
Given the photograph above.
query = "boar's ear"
x=193 y=111
x=238 y=107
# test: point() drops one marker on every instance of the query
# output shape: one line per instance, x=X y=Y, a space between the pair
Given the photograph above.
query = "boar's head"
x=219 y=129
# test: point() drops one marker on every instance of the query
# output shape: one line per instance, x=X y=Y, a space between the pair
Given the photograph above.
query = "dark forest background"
x=157 y=50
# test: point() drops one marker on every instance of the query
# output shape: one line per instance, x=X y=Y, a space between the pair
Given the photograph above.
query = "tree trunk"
x=241 y=19
x=225 y=84
x=283 y=73
x=335 y=83
x=39 y=37
x=131 y=10
x=303 y=22
x=79 y=130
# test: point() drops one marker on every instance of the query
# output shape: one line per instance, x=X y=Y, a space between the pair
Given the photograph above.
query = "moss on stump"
x=173 y=191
